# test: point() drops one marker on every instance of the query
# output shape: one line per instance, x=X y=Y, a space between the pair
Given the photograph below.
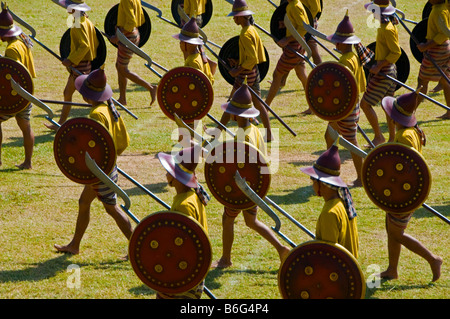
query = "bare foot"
x=221 y=264
x=436 y=89
x=284 y=253
x=356 y=183
x=24 y=166
x=445 y=116
x=307 y=112
x=153 y=94
x=389 y=274
x=436 y=268
x=66 y=249
x=52 y=127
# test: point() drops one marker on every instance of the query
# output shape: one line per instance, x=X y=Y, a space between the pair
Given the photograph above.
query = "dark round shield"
x=220 y=168
x=321 y=270
x=187 y=92
x=205 y=16
x=277 y=27
x=402 y=64
x=420 y=33
x=331 y=91
x=111 y=22
x=76 y=137
x=10 y=101
x=396 y=178
x=230 y=50
x=64 y=49
x=426 y=10
x=170 y=252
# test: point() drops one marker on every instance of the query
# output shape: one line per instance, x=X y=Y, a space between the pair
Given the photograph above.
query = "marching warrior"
x=129 y=18
x=251 y=53
x=96 y=91
x=438 y=48
x=83 y=50
x=387 y=53
x=19 y=49
x=289 y=60
x=344 y=39
x=240 y=109
x=401 y=111
x=337 y=223
x=315 y=8
x=190 y=199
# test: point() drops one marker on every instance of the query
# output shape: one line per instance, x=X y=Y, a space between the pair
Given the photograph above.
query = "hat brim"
x=249 y=113
x=240 y=13
x=388 y=106
x=168 y=162
x=182 y=37
x=13 y=32
x=75 y=6
x=98 y=96
x=323 y=177
x=389 y=10
x=334 y=38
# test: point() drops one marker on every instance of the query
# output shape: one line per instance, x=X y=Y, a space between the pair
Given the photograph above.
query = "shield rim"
x=262 y=67
x=25 y=73
x=84 y=120
x=364 y=168
x=145 y=29
x=165 y=79
x=419 y=31
x=338 y=247
x=132 y=246
x=344 y=113
x=101 y=52
x=246 y=205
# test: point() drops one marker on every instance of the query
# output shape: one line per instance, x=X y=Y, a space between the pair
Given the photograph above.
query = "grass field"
x=38 y=207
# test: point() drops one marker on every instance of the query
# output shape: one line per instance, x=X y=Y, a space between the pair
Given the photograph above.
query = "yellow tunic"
x=388 y=47
x=313 y=6
x=351 y=61
x=251 y=48
x=253 y=136
x=130 y=15
x=433 y=30
x=297 y=15
x=102 y=113
x=195 y=61
x=409 y=137
x=83 y=42
x=194 y=8
x=190 y=204
x=18 y=51
x=334 y=226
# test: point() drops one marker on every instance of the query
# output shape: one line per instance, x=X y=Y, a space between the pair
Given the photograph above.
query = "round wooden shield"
x=420 y=33
x=205 y=16
x=111 y=22
x=76 y=137
x=402 y=64
x=187 y=92
x=396 y=178
x=64 y=48
x=331 y=91
x=230 y=50
x=221 y=165
x=321 y=270
x=10 y=101
x=170 y=252
x=426 y=10
x=277 y=27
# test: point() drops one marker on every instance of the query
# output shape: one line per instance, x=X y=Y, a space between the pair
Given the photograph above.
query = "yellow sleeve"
x=351 y=61
x=327 y=227
x=433 y=30
x=389 y=47
x=251 y=49
x=18 y=51
x=130 y=15
x=79 y=45
x=297 y=15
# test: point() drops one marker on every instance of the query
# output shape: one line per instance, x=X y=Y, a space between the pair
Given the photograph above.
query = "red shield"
x=76 y=137
x=170 y=252
x=11 y=102
x=187 y=92
x=331 y=91
x=321 y=270
x=221 y=166
x=396 y=178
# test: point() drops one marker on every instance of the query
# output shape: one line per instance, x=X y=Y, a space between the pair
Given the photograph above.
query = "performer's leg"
x=264 y=114
x=446 y=87
x=300 y=70
x=277 y=82
x=28 y=141
x=84 y=212
x=227 y=241
x=120 y=218
x=372 y=117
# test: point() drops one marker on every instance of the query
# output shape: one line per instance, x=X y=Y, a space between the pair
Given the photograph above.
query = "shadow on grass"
x=442 y=212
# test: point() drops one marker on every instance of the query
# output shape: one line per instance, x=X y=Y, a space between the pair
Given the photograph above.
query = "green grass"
x=39 y=206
